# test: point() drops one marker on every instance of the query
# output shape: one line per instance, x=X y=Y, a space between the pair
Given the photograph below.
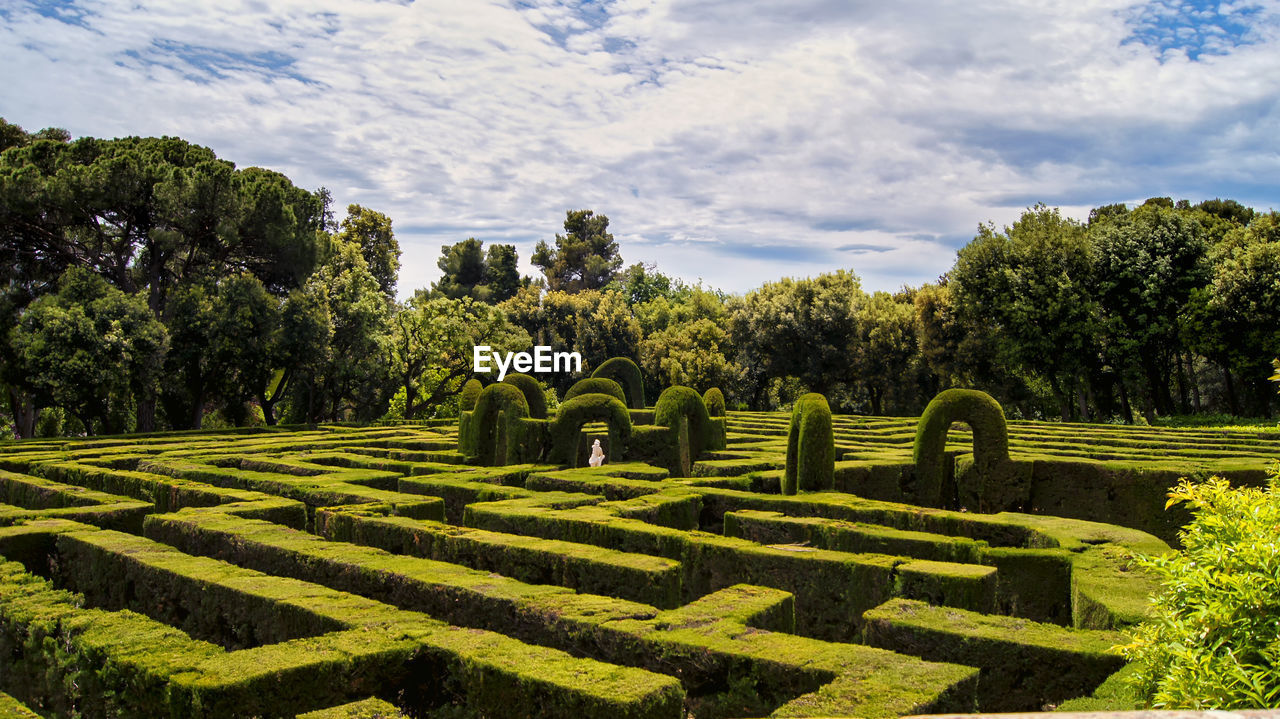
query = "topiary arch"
x=469 y=394
x=495 y=424
x=990 y=440
x=596 y=385
x=811 y=449
x=585 y=408
x=682 y=409
x=626 y=373
x=533 y=393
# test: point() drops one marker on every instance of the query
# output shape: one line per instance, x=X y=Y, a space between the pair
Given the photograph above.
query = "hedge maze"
x=481 y=569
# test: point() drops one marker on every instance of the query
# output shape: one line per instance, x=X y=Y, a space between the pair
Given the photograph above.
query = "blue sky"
x=734 y=141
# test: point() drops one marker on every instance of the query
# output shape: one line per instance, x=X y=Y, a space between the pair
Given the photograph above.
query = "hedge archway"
x=714 y=399
x=990 y=439
x=589 y=408
x=533 y=393
x=596 y=385
x=682 y=409
x=495 y=424
x=811 y=448
x=626 y=373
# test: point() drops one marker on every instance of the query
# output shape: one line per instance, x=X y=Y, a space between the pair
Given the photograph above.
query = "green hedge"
x=470 y=394
x=990 y=443
x=533 y=393
x=683 y=410
x=589 y=408
x=811 y=449
x=495 y=431
x=596 y=385
x=714 y=399
x=627 y=374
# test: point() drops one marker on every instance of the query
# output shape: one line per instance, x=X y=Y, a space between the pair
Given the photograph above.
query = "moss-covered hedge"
x=714 y=399
x=682 y=409
x=470 y=394
x=811 y=449
x=533 y=393
x=990 y=442
x=585 y=408
x=495 y=432
x=627 y=374
x=596 y=385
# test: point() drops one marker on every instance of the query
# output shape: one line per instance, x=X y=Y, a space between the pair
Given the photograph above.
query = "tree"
x=801 y=328
x=585 y=257
x=1149 y=262
x=695 y=354
x=371 y=232
x=885 y=350
x=468 y=271
x=243 y=336
x=430 y=350
x=91 y=349
x=1033 y=283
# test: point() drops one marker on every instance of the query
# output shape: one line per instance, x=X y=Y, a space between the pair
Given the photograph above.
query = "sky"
x=732 y=142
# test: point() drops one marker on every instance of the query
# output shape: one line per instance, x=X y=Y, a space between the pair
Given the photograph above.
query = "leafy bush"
x=627 y=374
x=714 y=400
x=811 y=449
x=596 y=385
x=1213 y=638
x=533 y=393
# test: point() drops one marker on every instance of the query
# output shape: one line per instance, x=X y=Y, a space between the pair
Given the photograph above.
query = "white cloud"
x=713 y=133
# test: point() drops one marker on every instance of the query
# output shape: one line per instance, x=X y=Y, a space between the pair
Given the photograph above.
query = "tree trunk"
x=1124 y=402
x=1232 y=401
x=146 y=414
x=24 y=414
x=1195 y=382
x=1183 y=400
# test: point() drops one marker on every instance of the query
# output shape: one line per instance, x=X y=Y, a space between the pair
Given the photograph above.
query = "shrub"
x=585 y=408
x=811 y=448
x=469 y=395
x=626 y=373
x=1213 y=638
x=495 y=424
x=683 y=410
x=533 y=393
x=714 y=399
x=596 y=385
x=990 y=439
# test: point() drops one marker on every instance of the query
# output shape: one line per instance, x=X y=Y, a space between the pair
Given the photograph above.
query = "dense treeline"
x=151 y=285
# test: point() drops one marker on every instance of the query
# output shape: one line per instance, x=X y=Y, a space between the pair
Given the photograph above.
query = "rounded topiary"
x=533 y=393
x=714 y=399
x=811 y=447
x=495 y=423
x=990 y=439
x=682 y=409
x=469 y=394
x=596 y=385
x=626 y=373
x=585 y=408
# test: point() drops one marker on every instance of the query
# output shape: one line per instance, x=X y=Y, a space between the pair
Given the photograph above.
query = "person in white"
x=597 y=454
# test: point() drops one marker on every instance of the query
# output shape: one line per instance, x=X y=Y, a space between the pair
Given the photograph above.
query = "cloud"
x=733 y=141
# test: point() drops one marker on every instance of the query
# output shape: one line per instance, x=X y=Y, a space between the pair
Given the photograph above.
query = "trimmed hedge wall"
x=990 y=442
x=683 y=410
x=585 y=408
x=714 y=399
x=596 y=385
x=533 y=393
x=495 y=431
x=811 y=449
x=626 y=373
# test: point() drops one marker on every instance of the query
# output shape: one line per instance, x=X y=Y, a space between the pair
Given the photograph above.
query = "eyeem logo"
x=542 y=360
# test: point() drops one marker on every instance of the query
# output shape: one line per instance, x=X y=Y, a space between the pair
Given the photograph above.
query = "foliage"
x=371 y=232
x=585 y=257
x=714 y=400
x=627 y=375
x=91 y=349
x=596 y=385
x=1213 y=639
x=468 y=271
x=693 y=354
x=533 y=393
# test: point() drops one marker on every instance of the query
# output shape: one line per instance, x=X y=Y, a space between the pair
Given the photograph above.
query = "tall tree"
x=93 y=350
x=1033 y=282
x=1149 y=262
x=585 y=257
x=371 y=232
